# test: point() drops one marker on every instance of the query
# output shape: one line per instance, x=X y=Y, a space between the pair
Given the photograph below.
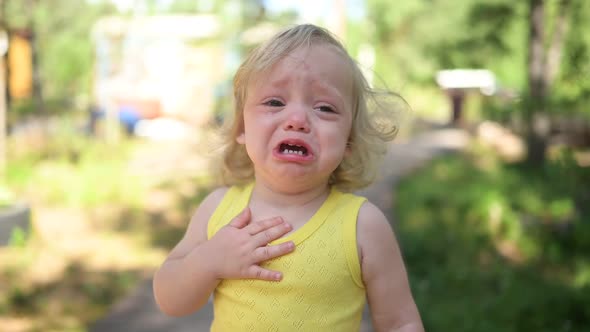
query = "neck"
x=289 y=198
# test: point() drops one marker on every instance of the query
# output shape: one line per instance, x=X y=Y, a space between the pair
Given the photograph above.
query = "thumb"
x=242 y=219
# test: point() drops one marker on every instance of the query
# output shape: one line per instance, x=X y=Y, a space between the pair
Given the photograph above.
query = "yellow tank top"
x=322 y=288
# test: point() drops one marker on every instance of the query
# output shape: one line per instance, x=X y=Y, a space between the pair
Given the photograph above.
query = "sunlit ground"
x=100 y=221
x=478 y=226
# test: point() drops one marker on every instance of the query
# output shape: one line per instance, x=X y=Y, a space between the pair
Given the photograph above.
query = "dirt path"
x=138 y=312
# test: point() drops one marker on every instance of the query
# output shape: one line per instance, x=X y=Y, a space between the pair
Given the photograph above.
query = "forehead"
x=321 y=64
x=318 y=53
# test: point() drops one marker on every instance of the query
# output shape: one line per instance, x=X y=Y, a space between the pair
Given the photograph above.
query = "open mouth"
x=294 y=149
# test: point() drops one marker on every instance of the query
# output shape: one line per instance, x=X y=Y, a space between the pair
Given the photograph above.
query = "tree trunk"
x=556 y=47
x=542 y=71
x=37 y=84
x=3 y=58
x=537 y=130
x=536 y=49
x=457 y=97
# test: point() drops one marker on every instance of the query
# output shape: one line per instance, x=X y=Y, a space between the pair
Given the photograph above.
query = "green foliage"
x=489 y=24
x=415 y=39
x=66 y=46
x=82 y=287
x=7 y=197
x=573 y=84
x=402 y=32
x=18 y=237
x=63 y=42
x=75 y=170
x=87 y=194
x=90 y=182
x=494 y=247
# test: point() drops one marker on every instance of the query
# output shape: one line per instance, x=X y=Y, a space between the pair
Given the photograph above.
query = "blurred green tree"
x=62 y=48
x=536 y=47
x=63 y=51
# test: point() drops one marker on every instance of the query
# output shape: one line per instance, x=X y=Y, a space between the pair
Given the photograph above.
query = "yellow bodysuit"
x=321 y=289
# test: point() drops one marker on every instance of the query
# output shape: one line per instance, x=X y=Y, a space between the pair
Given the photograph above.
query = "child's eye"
x=326 y=109
x=274 y=103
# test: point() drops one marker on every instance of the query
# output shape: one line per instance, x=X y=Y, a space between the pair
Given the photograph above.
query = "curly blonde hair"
x=373 y=120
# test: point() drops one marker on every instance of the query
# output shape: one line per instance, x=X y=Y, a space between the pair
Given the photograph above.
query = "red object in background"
x=146 y=108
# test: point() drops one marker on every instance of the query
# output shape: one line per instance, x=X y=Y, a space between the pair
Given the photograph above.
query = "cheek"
x=338 y=146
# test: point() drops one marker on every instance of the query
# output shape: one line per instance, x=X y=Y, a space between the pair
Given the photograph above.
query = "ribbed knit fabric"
x=322 y=287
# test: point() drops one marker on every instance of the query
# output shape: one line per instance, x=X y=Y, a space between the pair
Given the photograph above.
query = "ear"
x=348 y=149
x=241 y=138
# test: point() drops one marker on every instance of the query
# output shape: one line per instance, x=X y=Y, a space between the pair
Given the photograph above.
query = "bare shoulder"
x=376 y=241
x=209 y=204
x=372 y=225
x=370 y=214
x=196 y=232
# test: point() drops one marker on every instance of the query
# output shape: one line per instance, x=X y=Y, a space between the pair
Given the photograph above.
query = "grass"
x=498 y=247
x=489 y=246
x=91 y=201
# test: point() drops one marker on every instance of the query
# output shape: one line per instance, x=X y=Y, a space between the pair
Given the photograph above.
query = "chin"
x=295 y=185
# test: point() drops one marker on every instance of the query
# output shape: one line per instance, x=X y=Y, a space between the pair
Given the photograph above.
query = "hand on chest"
x=296 y=210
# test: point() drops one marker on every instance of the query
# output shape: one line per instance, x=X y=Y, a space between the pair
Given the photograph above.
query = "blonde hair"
x=373 y=120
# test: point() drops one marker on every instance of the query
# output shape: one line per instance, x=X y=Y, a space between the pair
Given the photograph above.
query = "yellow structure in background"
x=20 y=67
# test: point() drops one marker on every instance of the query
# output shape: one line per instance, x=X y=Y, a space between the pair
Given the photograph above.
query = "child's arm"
x=384 y=274
x=196 y=265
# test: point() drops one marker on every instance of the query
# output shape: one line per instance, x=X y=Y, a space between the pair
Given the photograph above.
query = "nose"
x=297 y=120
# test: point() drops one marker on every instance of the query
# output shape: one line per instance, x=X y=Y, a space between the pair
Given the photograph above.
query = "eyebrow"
x=322 y=88
x=279 y=83
x=332 y=92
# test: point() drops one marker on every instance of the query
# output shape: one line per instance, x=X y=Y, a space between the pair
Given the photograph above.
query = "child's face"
x=297 y=118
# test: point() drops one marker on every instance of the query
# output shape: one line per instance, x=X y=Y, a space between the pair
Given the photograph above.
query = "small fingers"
x=259 y=226
x=256 y=272
x=242 y=219
x=265 y=237
x=269 y=252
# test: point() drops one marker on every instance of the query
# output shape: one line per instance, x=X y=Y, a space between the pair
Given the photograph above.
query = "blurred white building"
x=158 y=66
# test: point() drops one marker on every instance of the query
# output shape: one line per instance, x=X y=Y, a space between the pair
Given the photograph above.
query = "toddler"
x=285 y=246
